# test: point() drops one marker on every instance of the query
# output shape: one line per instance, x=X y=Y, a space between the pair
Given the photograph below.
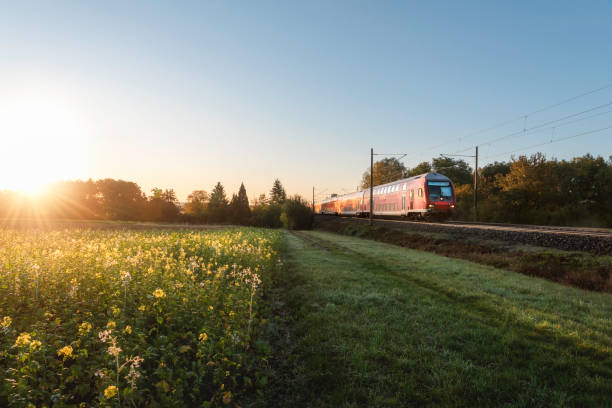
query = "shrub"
x=266 y=215
x=296 y=214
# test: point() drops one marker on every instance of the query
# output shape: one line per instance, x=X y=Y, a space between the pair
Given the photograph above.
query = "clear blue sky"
x=181 y=95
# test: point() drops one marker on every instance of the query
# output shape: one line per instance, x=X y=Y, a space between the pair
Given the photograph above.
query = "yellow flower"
x=23 y=340
x=158 y=293
x=35 y=345
x=111 y=325
x=203 y=337
x=85 y=327
x=6 y=322
x=142 y=308
x=110 y=392
x=227 y=397
x=128 y=329
x=65 y=351
x=116 y=311
x=210 y=308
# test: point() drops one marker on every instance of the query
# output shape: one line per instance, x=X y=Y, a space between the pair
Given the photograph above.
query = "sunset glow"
x=42 y=140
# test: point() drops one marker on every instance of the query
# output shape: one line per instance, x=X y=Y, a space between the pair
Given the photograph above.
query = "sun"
x=42 y=140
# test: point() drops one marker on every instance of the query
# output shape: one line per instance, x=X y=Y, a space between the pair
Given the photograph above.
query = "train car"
x=424 y=196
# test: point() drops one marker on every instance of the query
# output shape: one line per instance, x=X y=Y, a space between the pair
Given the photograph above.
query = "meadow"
x=244 y=317
x=133 y=318
x=378 y=325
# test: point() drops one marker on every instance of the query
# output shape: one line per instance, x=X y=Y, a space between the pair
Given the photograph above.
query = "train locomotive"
x=429 y=195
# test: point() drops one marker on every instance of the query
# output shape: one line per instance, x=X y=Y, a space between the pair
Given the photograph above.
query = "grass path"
x=378 y=325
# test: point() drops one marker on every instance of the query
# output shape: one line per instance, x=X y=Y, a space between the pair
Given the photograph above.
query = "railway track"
x=597 y=240
x=593 y=232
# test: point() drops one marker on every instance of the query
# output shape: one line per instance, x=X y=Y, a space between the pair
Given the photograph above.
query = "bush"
x=266 y=215
x=296 y=214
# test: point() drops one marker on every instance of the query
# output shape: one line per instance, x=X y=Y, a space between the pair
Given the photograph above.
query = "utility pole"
x=476 y=186
x=371 y=186
x=372 y=154
x=313 y=208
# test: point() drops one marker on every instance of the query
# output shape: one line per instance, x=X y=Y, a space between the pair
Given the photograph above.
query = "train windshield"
x=440 y=190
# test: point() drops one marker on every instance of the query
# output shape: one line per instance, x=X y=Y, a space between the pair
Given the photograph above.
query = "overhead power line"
x=520 y=117
x=539 y=126
x=551 y=141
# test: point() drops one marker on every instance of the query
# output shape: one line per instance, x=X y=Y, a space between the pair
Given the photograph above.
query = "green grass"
x=372 y=324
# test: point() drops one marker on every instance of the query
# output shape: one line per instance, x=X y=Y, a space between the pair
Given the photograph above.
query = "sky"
x=184 y=94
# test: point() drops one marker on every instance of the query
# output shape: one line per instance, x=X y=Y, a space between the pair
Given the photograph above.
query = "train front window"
x=440 y=190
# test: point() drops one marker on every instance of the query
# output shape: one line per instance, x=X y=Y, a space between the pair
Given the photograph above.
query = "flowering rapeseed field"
x=132 y=318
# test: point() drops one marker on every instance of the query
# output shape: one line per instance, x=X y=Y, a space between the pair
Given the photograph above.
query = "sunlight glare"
x=42 y=140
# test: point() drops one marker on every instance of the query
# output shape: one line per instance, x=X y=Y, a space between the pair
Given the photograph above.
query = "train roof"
x=432 y=176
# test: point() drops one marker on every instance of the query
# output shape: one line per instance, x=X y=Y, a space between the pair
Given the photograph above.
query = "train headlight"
x=431 y=205
x=452 y=206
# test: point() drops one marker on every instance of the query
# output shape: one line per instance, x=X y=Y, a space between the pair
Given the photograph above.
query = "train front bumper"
x=440 y=207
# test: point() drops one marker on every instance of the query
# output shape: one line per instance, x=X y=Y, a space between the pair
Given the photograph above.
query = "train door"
x=403 y=202
x=411 y=199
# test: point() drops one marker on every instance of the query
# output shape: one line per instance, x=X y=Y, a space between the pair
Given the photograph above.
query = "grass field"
x=378 y=325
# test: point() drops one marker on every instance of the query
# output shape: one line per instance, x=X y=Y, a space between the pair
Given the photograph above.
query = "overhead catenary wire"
x=550 y=142
x=514 y=119
x=524 y=131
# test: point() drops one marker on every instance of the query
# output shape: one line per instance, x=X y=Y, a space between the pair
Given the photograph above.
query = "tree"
x=490 y=171
x=261 y=200
x=277 y=194
x=456 y=170
x=74 y=199
x=121 y=200
x=421 y=168
x=169 y=196
x=162 y=205
x=240 y=211
x=195 y=207
x=385 y=171
x=218 y=205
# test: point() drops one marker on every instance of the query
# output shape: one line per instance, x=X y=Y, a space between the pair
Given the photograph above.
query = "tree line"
x=527 y=189
x=110 y=199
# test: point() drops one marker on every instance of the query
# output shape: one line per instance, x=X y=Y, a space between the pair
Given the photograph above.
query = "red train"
x=424 y=196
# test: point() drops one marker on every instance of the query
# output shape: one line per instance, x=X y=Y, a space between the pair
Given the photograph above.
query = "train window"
x=411 y=194
x=404 y=187
x=420 y=192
